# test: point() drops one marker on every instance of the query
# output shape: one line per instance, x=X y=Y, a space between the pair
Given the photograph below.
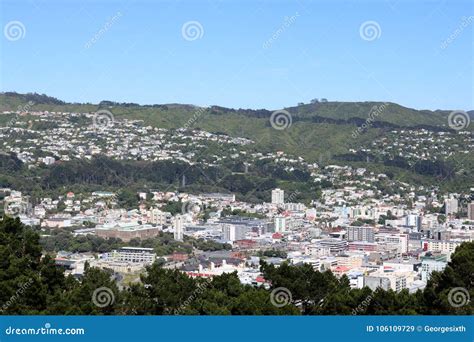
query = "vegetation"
x=30 y=284
x=164 y=244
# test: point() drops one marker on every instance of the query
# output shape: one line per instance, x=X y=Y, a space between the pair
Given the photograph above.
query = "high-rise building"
x=360 y=234
x=413 y=221
x=470 y=211
x=235 y=232
x=451 y=206
x=178 y=225
x=278 y=196
x=280 y=224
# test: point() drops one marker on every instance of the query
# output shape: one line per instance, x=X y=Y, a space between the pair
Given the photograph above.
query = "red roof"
x=277 y=236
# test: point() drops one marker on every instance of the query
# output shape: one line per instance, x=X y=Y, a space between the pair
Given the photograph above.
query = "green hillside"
x=318 y=130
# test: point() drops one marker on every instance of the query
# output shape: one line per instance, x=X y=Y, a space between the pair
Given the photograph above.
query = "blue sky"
x=249 y=54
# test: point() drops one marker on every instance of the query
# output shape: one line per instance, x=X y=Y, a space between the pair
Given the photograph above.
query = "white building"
x=159 y=217
x=428 y=266
x=278 y=196
x=280 y=224
x=442 y=246
x=360 y=234
x=178 y=225
x=234 y=232
x=451 y=206
x=133 y=255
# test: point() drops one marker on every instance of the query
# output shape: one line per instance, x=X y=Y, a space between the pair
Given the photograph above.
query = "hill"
x=317 y=129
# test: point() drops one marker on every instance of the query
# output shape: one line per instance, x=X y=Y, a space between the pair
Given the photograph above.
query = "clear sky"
x=248 y=54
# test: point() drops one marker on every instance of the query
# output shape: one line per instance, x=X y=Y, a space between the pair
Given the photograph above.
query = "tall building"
x=278 y=196
x=160 y=217
x=413 y=221
x=234 y=232
x=280 y=224
x=360 y=234
x=451 y=206
x=178 y=224
x=470 y=211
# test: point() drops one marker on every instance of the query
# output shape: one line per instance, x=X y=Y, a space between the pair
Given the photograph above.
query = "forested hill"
x=316 y=111
x=317 y=130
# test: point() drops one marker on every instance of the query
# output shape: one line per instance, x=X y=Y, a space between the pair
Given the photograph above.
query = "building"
x=317 y=250
x=278 y=196
x=127 y=231
x=178 y=225
x=234 y=232
x=388 y=279
x=451 y=206
x=48 y=160
x=362 y=246
x=280 y=224
x=470 y=211
x=334 y=245
x=430 y=265
x=442 y=246
x=400 y=240
x=414 y=222
x=360 y=234
x=159 y=217
x=247 y=224
x=133 y=255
